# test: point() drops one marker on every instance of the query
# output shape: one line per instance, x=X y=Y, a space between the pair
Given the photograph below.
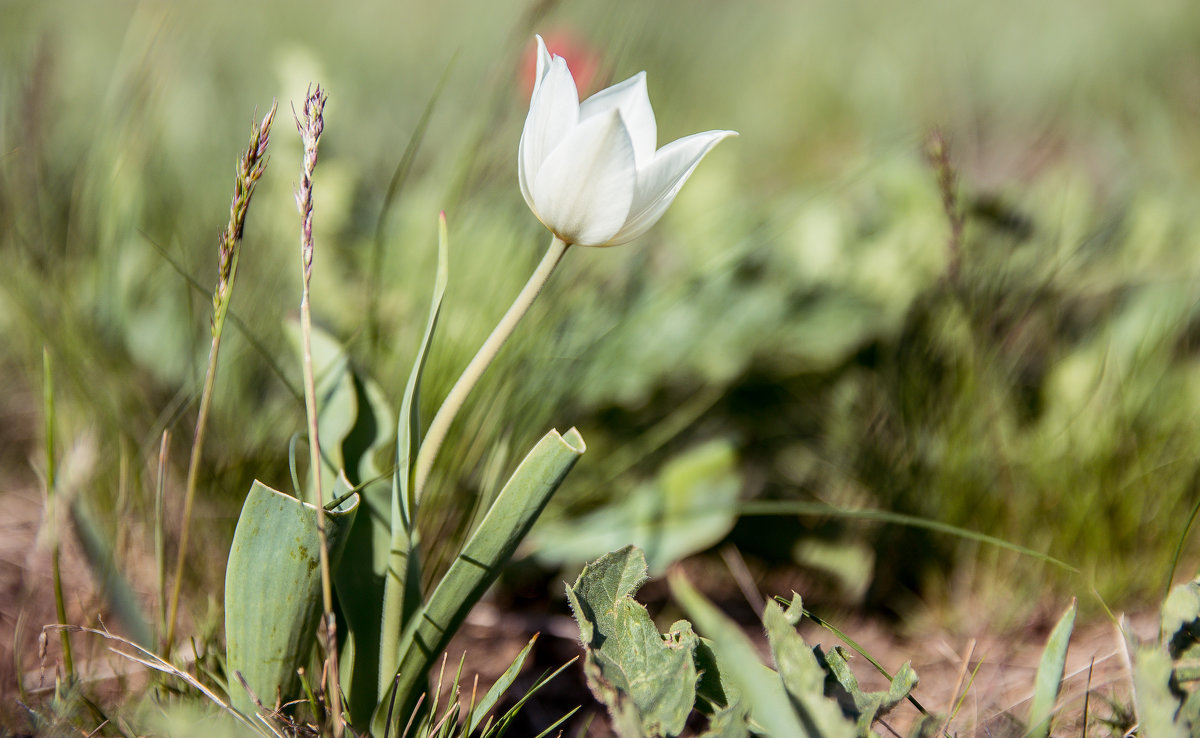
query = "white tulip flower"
x=591 y=171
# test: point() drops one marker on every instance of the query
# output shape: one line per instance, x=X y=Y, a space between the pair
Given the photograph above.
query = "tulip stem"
x=483 y=358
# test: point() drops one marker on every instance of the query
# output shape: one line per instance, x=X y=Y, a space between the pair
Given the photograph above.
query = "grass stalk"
x=249 y=169
x=440 y=425
x=160 y=545
x=60 y=608
x=310 y=123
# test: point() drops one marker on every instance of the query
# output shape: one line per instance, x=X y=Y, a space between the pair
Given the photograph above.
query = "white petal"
x=553 y=113
x=659 y=183
x=632 y=99
x=543 y=64
x=584 y=188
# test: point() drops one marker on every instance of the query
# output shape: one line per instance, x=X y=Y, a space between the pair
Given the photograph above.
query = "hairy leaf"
x=802 y=675
x=647 y=680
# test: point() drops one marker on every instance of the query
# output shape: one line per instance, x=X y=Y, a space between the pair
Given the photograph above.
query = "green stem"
x=314 y=448
x=440 y=426
x=193 y=475
x=160 y=546
x=60 y=607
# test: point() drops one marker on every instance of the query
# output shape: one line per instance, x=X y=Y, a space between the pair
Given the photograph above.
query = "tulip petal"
x=585 y=186
x=553 y=113
x=633 y=100
x=543 y=64
x=659 y=183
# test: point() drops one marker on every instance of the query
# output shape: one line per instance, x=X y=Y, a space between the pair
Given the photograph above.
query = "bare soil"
x=982 y=678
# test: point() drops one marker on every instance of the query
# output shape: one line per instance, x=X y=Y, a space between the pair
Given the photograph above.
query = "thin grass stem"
x=250 y=168
x=454 y=401
x=310 y=124
x=160 y=546
x=60 y=608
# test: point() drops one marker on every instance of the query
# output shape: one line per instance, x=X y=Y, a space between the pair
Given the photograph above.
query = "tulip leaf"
x=273 y=590
x=360 y=583
x=646 y=679
x=402 y=594
x=354 y=423
x=1049 y=676
x=371 y=432
x=489 y=548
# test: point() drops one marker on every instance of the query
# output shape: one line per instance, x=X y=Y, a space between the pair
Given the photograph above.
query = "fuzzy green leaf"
x=647 y=680
x=1049 y=675
x=870 y=706
x=1153 y=696
x=1180 y=620
x=770 y=709
x=273 y=590
x=490 y=547
x=718 y=697
x=802 y=675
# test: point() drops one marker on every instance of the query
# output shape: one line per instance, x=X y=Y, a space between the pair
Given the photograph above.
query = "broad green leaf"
x=1048 y=681
x=360 y=582
x=770 y=709
x=372 y=430
x=870 y=705
x=802 y=675
x=490 y=547
x=718 y=698
x=273 y=590
x=402 y=593
x=689 y=507
x=647 y=680
x=360 y=579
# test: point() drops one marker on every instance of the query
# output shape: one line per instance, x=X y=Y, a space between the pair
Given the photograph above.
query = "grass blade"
x=1049 y=675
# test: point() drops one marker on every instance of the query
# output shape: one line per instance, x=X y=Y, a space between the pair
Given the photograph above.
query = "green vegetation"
x=947 y=273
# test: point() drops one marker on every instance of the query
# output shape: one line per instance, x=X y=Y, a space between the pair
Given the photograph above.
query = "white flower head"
x=591 y=171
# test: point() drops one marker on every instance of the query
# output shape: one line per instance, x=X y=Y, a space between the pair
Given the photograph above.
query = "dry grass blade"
x=151 y=660
x=955 y=698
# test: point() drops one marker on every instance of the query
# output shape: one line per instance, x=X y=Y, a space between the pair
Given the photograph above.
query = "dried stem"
x=937 y=151
x=249 y=169
x=310 y=123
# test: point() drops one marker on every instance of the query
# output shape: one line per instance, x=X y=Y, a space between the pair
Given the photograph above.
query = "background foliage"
x=793 y=322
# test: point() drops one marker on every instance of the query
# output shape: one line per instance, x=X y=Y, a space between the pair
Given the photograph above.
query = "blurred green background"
x=792 y=330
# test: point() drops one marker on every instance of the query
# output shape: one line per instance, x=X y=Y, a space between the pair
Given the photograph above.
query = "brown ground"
x=492 y=636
